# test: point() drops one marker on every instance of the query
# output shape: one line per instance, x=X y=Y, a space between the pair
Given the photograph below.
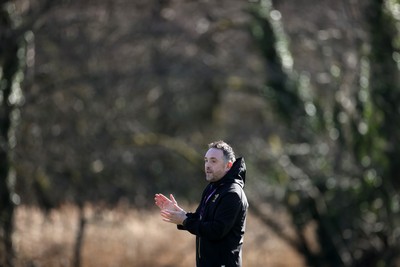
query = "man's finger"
x=177 y=207
x=161 y=197
x=173 y=199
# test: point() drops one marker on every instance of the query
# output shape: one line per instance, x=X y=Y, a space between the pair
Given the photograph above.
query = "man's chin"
x=209 y=179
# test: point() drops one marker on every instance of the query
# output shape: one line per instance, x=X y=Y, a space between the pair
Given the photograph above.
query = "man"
x=220 y=219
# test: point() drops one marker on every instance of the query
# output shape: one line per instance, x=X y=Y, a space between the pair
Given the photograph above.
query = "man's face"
x=215 y=166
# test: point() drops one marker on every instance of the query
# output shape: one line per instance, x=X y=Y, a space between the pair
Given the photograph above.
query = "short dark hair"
x=229 y=154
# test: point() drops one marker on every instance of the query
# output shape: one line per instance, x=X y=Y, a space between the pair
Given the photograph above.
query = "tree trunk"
x=9 y=67
x=79 y=236
x=9 y=62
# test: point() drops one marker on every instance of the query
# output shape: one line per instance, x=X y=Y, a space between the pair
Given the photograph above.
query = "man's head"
x=218 y=160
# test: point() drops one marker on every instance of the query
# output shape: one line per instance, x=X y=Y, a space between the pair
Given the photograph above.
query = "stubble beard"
x=209 y=176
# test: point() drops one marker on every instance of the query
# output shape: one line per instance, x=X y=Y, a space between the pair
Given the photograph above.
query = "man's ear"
x=230 y=163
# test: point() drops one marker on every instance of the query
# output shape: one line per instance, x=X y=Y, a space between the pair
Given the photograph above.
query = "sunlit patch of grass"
x=127 y=237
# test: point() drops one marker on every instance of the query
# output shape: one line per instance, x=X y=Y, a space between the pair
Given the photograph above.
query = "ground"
x=128 y=237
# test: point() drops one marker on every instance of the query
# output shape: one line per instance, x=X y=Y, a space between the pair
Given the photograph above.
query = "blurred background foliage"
x=107 y=101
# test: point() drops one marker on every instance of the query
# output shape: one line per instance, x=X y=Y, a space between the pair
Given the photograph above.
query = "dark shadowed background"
x=111 y=101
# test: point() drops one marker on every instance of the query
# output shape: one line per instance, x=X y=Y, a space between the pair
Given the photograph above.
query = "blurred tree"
x=16 y=40
x=341 y=166
x=122 y=95
x=10 y=69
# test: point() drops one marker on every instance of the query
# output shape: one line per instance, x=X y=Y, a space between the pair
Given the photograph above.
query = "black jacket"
x=219 y=232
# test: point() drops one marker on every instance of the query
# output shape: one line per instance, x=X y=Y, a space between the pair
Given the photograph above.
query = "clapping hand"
x=170 y=211
x=165 y=203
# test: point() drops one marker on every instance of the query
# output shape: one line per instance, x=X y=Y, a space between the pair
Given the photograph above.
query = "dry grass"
x=126 y=237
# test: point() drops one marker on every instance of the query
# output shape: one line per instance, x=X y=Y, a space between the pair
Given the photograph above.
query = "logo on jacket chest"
x=215 y=197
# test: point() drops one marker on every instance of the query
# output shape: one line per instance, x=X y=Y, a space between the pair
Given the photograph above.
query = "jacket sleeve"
x=193 y=215
x=190 y=216
x=224 y=218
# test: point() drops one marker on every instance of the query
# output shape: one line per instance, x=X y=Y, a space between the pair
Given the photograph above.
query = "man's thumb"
x=173 y=199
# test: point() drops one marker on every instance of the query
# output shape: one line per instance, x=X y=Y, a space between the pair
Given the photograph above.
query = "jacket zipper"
x=199 y=248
